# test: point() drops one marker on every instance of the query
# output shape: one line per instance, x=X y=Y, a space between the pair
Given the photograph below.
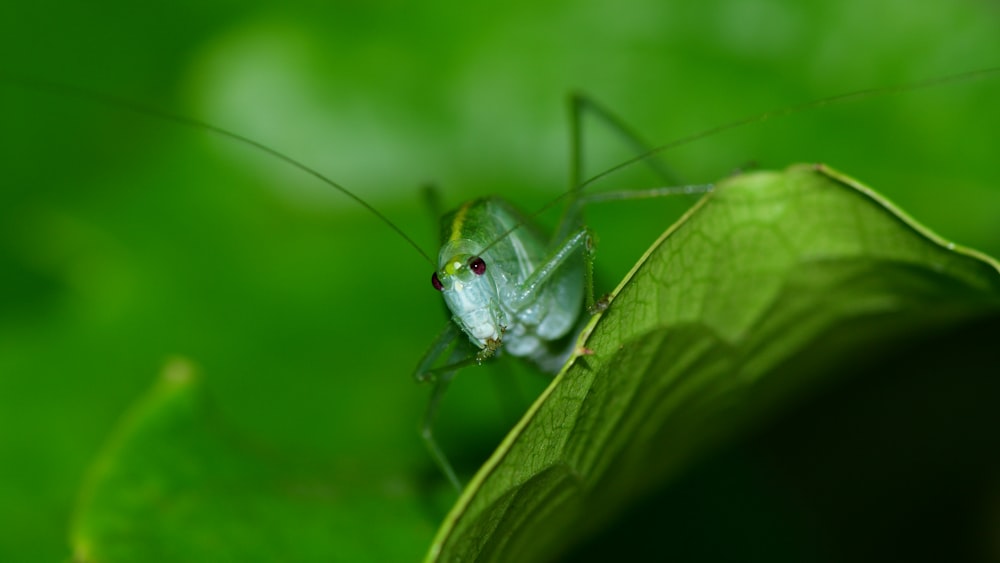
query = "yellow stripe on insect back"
x=459 y=221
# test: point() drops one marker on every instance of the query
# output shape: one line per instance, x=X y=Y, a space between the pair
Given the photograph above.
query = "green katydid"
x=507 y=285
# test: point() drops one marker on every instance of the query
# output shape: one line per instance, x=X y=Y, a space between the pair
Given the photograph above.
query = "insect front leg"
x=440 y=377
x=581 y=240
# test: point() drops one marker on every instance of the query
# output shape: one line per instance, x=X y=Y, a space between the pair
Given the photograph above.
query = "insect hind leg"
x=581 y=106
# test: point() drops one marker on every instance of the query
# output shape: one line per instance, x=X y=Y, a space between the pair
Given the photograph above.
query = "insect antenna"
x=122 y=103
x=838 y=99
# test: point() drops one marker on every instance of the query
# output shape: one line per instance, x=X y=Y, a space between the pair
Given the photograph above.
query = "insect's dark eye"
x=478 y=266
x=436 y=282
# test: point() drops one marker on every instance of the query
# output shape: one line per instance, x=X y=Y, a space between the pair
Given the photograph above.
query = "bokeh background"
x=126 y=240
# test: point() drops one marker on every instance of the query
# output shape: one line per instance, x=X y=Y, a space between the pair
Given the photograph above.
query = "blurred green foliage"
x=125 y=240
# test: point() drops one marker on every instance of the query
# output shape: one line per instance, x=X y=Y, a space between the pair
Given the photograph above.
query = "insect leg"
x=441 y=377
x=427 y=428
x=572 y=221
x=691 y=189
x=581 y=239
x=580 y=104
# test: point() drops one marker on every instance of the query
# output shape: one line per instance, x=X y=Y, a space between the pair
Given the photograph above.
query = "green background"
x=125 y=240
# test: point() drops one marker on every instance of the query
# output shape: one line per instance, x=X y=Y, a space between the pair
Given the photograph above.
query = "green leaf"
x=177 y=484
x=771 y=290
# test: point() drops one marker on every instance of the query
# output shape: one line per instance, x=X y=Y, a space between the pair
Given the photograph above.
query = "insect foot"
x=600 y=305
x=590 y=247
x=424 y=377
x=492 y=345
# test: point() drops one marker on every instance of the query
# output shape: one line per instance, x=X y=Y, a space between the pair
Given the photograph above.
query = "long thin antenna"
x=114 y=101
x=794 y=109
x=855 y=96
x=107 y=99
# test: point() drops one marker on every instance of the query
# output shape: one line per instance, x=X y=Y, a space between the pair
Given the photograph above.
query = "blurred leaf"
x=772 y=289
x=176 y=484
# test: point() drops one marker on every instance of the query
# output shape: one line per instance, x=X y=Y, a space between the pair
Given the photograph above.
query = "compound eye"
x=436 y=282
x=478 y=266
